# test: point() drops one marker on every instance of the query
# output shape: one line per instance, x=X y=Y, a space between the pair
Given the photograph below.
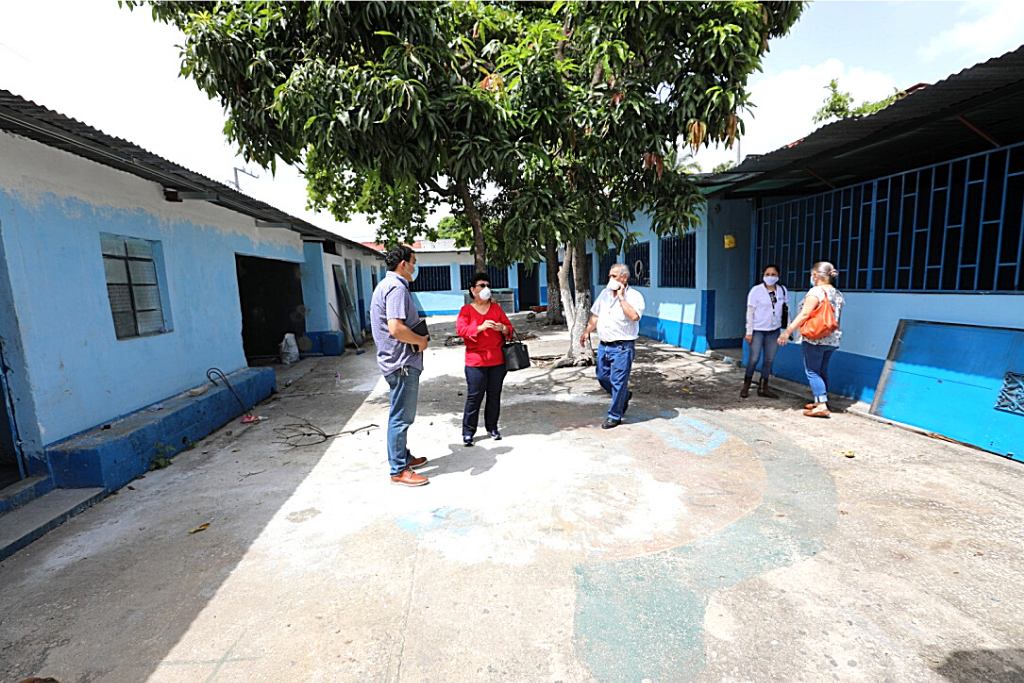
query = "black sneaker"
x=496 y=435
x=467 y=441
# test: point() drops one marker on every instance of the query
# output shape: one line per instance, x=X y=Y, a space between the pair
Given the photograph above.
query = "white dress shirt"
x=612 y=323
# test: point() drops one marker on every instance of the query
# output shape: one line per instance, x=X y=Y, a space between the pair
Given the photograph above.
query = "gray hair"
x=825 y=270
x=621 y=268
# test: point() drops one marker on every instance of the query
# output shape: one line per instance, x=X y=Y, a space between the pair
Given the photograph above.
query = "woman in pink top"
x=484 y=327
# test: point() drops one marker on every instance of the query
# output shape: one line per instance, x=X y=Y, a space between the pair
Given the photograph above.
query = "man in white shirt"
x=616 y=315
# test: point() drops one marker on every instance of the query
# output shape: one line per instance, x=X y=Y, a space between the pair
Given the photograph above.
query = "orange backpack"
x=822 y=321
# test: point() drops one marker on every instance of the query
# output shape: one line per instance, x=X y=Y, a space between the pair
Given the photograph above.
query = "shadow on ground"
x=992 y=666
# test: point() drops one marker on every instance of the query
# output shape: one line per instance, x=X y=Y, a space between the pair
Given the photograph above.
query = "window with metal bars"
x=498 y=277
x=956 y=226
x=132 y=286
x=432 y=279
x=677 y=261
x=638 y=258
x=610 y=258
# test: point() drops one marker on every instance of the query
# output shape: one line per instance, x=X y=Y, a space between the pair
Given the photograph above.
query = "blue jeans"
x=816 y=366
x=613 y=367
x=405 y=393
x=769 y=343
x=482 y=382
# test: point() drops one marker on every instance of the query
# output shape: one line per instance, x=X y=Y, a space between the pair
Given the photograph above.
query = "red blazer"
x=483 y=349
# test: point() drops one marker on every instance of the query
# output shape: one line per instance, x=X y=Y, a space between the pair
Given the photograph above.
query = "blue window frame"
x=957 y=226
x=638 y=258
x=498 y=276
x=677 y=261
x=432 y=279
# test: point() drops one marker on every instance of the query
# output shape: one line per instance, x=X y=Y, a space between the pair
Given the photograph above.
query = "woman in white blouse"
x=765 y=304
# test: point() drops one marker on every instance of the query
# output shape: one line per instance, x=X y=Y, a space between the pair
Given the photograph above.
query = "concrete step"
x=20 y=527
x=24 y=492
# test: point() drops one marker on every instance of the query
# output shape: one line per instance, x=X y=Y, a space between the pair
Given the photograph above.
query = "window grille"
x=132 y=286
x=957 y=226
x=638 y=258
x=1011 y=396
x=498 y=277
x=677 y=260
x=432 y=279
x=610 y=258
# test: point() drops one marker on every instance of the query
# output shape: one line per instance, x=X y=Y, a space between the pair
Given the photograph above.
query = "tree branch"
x=437 y=189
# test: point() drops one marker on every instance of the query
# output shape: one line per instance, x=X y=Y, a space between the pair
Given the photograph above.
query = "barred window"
x=497 y=276
x=677 y=258
x=638 y=258
x=957 y=226
x=132 y=286
x=432 y=279
x=610 y=258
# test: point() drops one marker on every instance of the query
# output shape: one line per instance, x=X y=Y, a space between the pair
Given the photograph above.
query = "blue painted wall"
x=728 y=269
x=869 y=324
x=314 y=288
x=76 y=371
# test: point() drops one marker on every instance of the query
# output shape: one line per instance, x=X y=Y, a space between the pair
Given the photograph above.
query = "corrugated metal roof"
x=28 y=119
x=920 y=129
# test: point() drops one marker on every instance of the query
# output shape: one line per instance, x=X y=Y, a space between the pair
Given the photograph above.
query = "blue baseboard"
x=326 y=343
x=110 y=456
x=850 y=374
x=683 y=335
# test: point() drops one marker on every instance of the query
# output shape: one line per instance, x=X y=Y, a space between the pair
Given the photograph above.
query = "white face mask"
x=614 y=284
x=485 y=293
x=771 y=279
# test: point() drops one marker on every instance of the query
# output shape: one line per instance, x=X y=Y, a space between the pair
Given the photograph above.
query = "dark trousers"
x=482 y=382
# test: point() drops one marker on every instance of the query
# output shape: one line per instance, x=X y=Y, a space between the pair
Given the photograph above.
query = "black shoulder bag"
x=517 y=355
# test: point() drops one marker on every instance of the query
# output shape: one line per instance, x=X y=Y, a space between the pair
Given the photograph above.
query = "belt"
x=620 y=342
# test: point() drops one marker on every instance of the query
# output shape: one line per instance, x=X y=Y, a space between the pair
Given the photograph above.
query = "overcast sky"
x=118 y=71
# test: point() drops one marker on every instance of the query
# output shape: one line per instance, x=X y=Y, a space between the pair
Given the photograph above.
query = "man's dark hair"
x=477 y=278
x=397 y=254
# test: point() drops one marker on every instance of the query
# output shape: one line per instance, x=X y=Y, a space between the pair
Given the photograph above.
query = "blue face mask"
x=412 y=275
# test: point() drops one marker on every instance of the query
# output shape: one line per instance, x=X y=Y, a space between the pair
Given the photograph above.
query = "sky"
x=117 y=71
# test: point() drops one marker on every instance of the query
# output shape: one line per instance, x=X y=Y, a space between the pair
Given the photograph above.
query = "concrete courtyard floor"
x=708 y=538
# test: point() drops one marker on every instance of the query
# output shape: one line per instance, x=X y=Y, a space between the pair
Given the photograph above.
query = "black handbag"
x=517 y=355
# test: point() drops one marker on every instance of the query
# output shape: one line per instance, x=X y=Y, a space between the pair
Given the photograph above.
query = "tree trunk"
x=580 y=310
x=564 y=273
x=473 y=215
x=555 y=315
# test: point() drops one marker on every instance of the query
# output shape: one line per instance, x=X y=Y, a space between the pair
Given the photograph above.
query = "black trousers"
x=482 y=382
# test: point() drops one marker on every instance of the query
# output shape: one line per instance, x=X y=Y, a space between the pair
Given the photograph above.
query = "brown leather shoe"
x=409 y=478
x=417 y=462
x=817 y=412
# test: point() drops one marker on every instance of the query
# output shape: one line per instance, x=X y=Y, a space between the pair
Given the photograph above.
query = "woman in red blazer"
x=484 y=327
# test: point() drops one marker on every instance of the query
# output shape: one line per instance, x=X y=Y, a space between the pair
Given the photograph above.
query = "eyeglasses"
x=482 y=284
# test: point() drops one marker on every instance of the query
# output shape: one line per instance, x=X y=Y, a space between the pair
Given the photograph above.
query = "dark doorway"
x=529 y=286
x=10 y=472
x=271 y=296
